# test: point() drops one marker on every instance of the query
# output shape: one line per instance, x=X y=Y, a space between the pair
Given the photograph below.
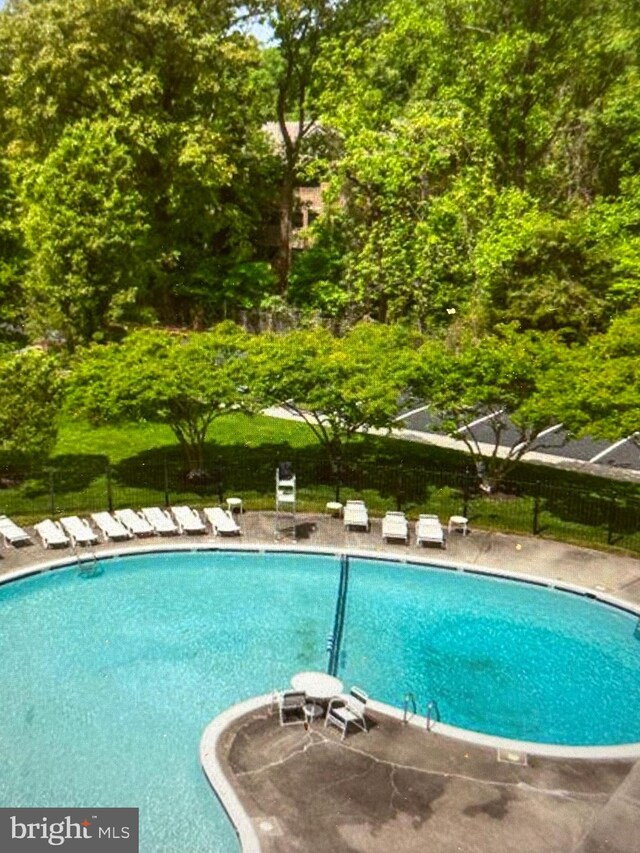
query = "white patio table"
x=317 y=685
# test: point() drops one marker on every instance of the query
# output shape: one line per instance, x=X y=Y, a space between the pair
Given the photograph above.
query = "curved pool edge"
x=212 y=768
x=596 y=753
x=614 y=752
x=400 y=557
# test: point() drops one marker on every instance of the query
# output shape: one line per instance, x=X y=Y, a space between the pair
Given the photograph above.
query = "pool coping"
x=417 y=560
x=222 y=787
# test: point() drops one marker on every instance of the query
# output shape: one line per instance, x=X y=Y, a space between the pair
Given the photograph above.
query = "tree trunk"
x=283 y=263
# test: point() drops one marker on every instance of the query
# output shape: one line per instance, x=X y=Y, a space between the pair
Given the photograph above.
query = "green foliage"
x=596 y=387
x=30 y=387
x=182 y=380
x=539 y=269
x=476 y=141
x=494 y=377
x=338 y=386
x=135 y=149
x=85 y=229
x=482 y=160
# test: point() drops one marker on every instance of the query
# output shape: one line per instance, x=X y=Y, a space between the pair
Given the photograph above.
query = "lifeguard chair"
x=285 y=495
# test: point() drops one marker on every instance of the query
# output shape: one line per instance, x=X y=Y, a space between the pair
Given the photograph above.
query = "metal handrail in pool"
x=432 y=705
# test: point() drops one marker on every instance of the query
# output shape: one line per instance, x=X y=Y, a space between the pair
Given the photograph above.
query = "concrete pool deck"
x=404 y=789
x=400 y=786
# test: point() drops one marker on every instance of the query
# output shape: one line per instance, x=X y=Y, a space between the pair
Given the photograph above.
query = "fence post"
x=219 y=475
x=338 y=476
x=399 y=491
x=611 y=518
x=536 y=509
x=109 y=487
x=466 y=491
x=52 y=492
x=166 y=482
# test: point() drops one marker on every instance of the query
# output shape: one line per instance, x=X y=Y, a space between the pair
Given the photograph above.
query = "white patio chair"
x=348 y=710
x=355 y=514
x=110 y=527
x=429 y=529
x=13 y=535
x=79 y=530
x=188 y=520
x=395 y=526
x=221 y=521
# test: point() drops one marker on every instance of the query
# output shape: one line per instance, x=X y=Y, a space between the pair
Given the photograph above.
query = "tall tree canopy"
x=463 y=121
x=481 y=158
x=134 y=141
x=301 y=30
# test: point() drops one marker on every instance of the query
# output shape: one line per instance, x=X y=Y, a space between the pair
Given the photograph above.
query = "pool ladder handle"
x=433 y=712
x=88 y=566
x=409 y=698
x=432 y=709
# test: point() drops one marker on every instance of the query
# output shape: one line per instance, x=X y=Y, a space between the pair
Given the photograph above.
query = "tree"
x=85 y=229
x=300 y=28
x=151 y=104
x=12 y=260
x=476 y=136
x=596 y=387
x=497 y=378
x=184 y=380
x=337 y=386
x=30 y=386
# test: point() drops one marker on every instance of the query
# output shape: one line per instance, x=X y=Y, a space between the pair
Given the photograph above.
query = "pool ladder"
x=433 y=712
x=88 y=568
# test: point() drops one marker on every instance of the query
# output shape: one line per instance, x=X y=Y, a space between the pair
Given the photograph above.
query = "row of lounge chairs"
x=122 y=524
x=127 y=523
x=395 y=525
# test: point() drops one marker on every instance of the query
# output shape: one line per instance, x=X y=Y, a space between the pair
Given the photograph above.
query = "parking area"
x=554 y=445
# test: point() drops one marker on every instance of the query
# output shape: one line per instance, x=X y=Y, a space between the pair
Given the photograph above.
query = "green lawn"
x=139 y=464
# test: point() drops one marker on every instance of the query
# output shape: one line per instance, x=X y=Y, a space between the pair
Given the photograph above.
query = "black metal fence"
x=606 y=517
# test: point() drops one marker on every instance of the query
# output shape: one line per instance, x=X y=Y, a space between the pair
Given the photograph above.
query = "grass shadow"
x=64 y=474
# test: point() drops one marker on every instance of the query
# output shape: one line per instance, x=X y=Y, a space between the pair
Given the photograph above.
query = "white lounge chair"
x=395 y=526
x=79 y=530
x=51 y=533
x=188 y=520
x=429 y=529
x=110 y=527
x=221 y=521
x=13 y=535
x=345 y=710
x=160 y=520
x=134 y=522
x=355 y=514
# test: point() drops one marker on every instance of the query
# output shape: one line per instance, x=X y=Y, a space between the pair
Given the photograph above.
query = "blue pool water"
x=107 y=682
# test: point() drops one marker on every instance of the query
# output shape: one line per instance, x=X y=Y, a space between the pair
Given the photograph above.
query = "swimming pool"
x=108 y=681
